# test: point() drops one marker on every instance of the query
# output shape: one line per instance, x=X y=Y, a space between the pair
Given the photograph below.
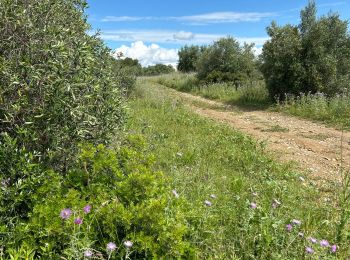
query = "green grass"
x=332 y=111
x=254 y=96
x=202 y=158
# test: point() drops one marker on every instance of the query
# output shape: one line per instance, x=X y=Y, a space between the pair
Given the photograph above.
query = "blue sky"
x=154 y=30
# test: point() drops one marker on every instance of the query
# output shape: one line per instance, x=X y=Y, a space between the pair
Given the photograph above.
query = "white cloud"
x=149 y=54
x=207 y=18
x=183 y=35
x=224 y=17
x=122 y=18
x=178 y=37
x=257 y=50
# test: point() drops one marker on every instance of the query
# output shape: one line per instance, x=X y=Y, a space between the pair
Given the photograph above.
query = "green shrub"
x=226 y=60
x=128 y=199
x=57 y=83
x=313 y=56
x=157 y=69
x=188 y=57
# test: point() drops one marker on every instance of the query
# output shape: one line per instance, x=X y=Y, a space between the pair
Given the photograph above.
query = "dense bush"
x=57 y=83
x=188 y=57
x=311 y=57
x=226 y=60
x=157 y=69
x=127 y=200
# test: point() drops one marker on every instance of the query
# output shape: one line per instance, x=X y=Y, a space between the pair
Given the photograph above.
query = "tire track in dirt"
x=314 y=147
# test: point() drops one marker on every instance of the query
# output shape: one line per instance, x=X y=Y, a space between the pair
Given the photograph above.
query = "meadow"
x=99 y=162
x=239 y=202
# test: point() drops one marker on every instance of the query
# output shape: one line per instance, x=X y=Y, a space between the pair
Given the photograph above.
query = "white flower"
x=128 y=244
x=207 y=203
x=176 y=195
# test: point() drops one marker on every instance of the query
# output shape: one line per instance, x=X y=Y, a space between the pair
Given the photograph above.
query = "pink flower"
x=289 y=227
x=87 y=209
x=334 y=248
x=111 y=246
x=313 y=240
x=78 y=221
x=309 y=250
x=253 y=205
x=66 y=213
x=324 y=243
x=88 y=253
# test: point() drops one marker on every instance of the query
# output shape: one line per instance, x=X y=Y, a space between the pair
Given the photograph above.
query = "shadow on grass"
x=248 y=106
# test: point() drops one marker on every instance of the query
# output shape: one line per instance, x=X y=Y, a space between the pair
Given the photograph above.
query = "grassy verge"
x=334 y=111
x=254 y=96
x=240 y=202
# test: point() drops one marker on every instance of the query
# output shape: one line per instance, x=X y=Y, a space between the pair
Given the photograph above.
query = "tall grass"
x=334 y=111
x=241 y=204
x=249 y=94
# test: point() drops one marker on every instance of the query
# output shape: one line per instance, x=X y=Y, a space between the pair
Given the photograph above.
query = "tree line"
x=311 y=57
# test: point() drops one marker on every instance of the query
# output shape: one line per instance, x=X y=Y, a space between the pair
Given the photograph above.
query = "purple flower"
x=111 y=246
x=309 y=250
x=176 y=195
x=88 y=253
x=289 y=227
x=313 y=240
x=324 y=243
x=253 y=205
x=78 y=221
x=65 y=213
x=207 y=203
x=87 y=209
x=128 y=244
x=296 y=222
x=334 y=248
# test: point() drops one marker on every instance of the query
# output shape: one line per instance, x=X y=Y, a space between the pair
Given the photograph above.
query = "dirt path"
x=314 y=147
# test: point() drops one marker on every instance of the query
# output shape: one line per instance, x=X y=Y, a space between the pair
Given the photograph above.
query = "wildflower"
x=296 y=222
x=253 y=205
x=87 y=209
x=66 y=213
x=88 y=253
x=176 y=195
x=255 y=194
x=5 y=182
x=289 y=227
x=179 y=154
x=301 y=234
x=324 y=243
x=213 y=196
x=78 y=221
x=334 y=248
x=275 y=203
x=309 y=250
x=313 y=240
x=111 y=246
x=207 y=203
x=128 y=244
